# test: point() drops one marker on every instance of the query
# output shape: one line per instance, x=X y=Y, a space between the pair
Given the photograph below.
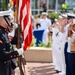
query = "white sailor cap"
x=7 y=13
x=64 y=15
x=60 y=16
x=44 y=13
x=70 y=15
x=56 y=20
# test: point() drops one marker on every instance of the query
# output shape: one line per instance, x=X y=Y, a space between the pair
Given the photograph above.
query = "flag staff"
x=18 y=36
x=17 y=21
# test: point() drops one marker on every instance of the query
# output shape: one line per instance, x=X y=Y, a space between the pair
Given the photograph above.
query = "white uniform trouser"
x=53 y=54
x=45 y=37
x=62 y=58
x=56 y=56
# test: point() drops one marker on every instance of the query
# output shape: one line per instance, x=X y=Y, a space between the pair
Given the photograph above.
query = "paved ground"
x=33 y=68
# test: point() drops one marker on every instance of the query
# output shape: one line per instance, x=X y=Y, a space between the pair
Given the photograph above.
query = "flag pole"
x=18 y=35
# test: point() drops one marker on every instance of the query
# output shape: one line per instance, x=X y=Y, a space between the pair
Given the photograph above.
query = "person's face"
x=3 y=22
x=44 y=16
x=9 y=28
x=70 y=27
x=73 y=27
x=70 y=20
x=64 y=22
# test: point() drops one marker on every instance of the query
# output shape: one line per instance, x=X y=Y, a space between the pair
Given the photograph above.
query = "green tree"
x=5 y=5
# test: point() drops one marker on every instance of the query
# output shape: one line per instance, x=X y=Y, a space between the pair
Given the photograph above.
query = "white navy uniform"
x=58 y=50
x=62 y=40
x=55 y=49
x=45 y=24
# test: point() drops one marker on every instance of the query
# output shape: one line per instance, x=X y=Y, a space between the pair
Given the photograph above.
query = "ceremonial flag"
x=25 y=22
x=14 y=1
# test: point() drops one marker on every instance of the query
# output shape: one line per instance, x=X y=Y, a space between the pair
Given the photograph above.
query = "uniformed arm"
x=7 y=54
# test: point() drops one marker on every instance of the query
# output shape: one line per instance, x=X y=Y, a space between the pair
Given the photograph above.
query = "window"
x=71 y=4
x=3 y=4
x=42 y=2
x=34 y=4
x=60 y=2
x=51 y=4
x=34 y=12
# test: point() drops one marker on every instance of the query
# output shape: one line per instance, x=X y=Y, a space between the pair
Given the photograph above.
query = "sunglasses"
x=9 y=24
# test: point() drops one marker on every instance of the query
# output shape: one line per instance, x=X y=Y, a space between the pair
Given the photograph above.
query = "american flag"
x=25 y=22
x=14 y=1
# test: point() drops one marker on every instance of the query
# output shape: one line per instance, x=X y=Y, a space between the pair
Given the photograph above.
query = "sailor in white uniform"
x=45 y=24
x=62 y=41
x=59 y=37
x=55 y=47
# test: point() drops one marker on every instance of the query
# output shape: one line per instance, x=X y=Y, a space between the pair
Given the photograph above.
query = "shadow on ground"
x=41 y=69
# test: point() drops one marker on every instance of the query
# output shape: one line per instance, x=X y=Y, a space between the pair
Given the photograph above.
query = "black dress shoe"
x=58 y=71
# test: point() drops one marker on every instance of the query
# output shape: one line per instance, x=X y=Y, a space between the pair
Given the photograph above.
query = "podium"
x=38 y=34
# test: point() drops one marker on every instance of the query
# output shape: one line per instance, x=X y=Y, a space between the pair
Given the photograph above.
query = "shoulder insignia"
x=1 y=41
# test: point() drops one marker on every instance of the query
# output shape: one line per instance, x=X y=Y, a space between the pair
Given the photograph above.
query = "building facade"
x=38 y=6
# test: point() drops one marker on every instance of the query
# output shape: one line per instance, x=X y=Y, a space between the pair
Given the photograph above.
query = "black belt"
x=72 y=51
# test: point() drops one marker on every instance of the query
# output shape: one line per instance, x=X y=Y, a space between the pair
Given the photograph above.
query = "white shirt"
x=45 y=23
x=68 y=49
x=55 y=31
x=12 y=33
x=66 y=30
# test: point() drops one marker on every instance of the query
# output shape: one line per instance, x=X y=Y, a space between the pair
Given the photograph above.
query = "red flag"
x=14 y=1
x=25 y=22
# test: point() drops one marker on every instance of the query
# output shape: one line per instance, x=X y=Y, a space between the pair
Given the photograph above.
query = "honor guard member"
x=6 y=54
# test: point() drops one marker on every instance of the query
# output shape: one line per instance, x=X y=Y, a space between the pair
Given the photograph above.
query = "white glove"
x=20 y=51
x=17 y=71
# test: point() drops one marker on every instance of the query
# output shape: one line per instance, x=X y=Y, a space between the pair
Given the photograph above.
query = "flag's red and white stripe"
x=25 y=22
x=14 y=1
